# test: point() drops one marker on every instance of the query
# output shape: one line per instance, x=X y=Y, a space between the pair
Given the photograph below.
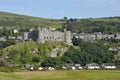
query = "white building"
x=11 y=37
x=117 y=36
x=112 y=49
x=40 y=68
x=15 y=31
x=51 y=68
x=2 y=39
x=92 y=66
x=78 y=66
x=108 y=66
x=96 y=36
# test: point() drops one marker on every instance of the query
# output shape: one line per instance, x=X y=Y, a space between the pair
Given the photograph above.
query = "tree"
x=66 y=59
x=65 y=18
x=36 y=59
x=6 y=43
x=51 y=62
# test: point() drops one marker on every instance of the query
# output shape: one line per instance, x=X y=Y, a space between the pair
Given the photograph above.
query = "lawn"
x=62 y=75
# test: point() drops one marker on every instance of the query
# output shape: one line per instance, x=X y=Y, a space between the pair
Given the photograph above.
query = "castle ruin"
x=41 y=35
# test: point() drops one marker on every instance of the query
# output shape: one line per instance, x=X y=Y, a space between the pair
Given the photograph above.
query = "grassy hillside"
x=63 y=75
x=16 y=20
x=105 y=25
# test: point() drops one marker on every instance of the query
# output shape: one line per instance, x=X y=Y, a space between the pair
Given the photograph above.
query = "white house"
x=51 y=68
x=108 y=66
x=11 y=37
x=78 y=66
x=92 y=66
x=2 y=39
x=64 y=67
x=15 y=31
x=40 y=68
x=70 y=66
x=118 y=54
x=31 y=68
x=117 y=36
x=112 y=49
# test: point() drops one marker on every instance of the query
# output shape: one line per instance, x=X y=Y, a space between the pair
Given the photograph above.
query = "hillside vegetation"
x=31 y=52
x=105 y=25
x=82 y=52
x=22 y=21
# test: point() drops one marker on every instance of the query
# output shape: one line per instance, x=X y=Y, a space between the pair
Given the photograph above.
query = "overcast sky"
x=61 y=8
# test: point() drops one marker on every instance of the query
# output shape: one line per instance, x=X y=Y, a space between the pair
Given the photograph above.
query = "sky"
x=63 y=8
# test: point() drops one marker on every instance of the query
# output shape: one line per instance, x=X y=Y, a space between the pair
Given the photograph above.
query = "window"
x=47 y=37
x=58 y=37
x=44 y=37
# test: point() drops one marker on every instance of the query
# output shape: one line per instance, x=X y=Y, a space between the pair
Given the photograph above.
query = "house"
x=20 y=37
x=15 y=31
x=118 y=54
x=70 y=66
x=31 y=68
x=64 y=67
x=78 y=66
x=92 y=66
x=2 y=39
x=108 y=66
x=51 y=68
x=26 y=66
x=40 y=68
x=86 y=36
x=112 y=49
x=98 y=35
x=117 y=36
x=11 y=37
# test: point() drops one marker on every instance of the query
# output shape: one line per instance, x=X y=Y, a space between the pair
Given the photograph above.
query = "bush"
x=36 y=59
x=6 y=69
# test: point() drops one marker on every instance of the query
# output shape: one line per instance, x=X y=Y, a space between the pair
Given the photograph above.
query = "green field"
x=62 y=75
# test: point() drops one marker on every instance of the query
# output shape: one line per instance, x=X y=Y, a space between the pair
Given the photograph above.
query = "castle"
x=41 y=35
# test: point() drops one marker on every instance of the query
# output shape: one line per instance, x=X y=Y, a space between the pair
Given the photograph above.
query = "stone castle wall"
x=41 y=35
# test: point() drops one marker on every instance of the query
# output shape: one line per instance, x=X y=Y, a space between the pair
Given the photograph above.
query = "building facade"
x=96 y=36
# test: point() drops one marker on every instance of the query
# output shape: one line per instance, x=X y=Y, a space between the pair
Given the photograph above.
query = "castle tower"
x=40 y=36
x=67 y=36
